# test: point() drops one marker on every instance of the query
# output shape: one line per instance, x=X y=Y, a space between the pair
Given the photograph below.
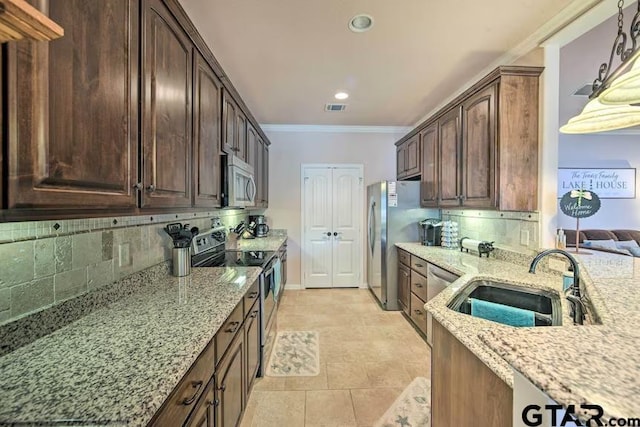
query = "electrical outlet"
x=124 y=254
x=524 y=237
x=556 y=264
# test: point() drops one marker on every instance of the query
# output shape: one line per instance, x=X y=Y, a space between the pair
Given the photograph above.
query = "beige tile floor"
x=367 y=357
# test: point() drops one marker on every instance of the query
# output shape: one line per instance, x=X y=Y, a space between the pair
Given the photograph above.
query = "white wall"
x=579 y=61
x=289 y=150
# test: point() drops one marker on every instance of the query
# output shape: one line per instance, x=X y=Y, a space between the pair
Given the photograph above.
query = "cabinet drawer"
x=404 y=257
x=182 y=400
x=419 y=285
x=418 y=313
x=419 y=265
x=251 y=297
x=228 y=331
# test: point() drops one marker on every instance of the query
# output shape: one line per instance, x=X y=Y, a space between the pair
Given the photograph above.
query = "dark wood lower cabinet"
x=404 y=275
x=464 y=391
x=252 y=343
x=204 y=413
x=230 y=385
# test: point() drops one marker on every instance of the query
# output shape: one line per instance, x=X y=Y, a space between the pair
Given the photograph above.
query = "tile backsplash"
x=43 y=263
x=515 y=231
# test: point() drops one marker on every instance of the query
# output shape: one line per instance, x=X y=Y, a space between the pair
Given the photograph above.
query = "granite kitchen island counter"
x=117 y=365
x=594 y=364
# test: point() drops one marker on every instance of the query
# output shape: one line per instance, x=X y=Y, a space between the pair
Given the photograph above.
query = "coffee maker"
x=261 y=227
x=431 y=232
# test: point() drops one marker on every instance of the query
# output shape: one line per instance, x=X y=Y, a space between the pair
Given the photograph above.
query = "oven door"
x=242 y=187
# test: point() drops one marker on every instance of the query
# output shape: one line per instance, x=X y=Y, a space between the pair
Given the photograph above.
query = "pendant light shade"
x=625 y=89
x=597 y=117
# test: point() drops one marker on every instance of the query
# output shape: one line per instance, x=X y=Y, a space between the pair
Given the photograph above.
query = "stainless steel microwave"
x=240 y=186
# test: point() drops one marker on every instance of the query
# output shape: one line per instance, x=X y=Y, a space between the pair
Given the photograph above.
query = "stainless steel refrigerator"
x=393 y=215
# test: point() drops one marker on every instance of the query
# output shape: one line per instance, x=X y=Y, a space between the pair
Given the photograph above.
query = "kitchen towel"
x=502 y=313
x=277 y=278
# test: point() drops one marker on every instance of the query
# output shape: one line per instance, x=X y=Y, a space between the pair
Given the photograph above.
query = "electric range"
x=208 y=250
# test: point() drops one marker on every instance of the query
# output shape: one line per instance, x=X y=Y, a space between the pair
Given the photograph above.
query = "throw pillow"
x=604 y=244
x=634 y=251
x=626 y=244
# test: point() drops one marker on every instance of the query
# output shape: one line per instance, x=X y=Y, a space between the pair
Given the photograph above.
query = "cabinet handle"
x=253 y=294
x=419 y=265
x=151 y=188
x=197 y=385
x=233 y=327
x=254 y=314
x=137 y=186
x=418 y=285
x=417 y=312
x=214 y=402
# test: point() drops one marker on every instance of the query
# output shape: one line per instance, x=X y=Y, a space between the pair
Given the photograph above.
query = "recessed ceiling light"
x=341 y=95
x=361 y=23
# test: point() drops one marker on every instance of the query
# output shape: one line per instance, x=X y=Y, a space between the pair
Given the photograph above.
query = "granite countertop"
x=272 y=242
x=119 y=363
x=594 y=364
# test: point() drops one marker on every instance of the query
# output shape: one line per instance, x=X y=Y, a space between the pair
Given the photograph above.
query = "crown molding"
x=335 y=128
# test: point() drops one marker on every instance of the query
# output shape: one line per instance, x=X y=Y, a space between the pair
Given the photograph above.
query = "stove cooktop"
x=237 y=259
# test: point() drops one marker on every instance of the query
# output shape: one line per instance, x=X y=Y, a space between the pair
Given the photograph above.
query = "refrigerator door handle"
x=372 y=228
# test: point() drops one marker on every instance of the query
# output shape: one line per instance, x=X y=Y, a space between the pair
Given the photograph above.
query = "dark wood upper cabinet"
x=401 y=160
x=412 y=162
x=229 y=124
x=258 y=170
x=72 y=108
x=449 y=155
x=252 y=140
x=167 y=115
x=241 y=130
x=479 y=149
x=265 y=175
x=207 y=97
x=429 y=164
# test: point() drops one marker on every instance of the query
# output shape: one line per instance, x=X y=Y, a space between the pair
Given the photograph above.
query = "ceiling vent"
x=335 y=107
x=584 y=90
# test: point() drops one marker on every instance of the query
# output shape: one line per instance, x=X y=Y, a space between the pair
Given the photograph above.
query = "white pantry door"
x=332 y=253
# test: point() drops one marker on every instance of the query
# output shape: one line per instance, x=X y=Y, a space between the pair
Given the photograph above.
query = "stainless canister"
x=181 y=261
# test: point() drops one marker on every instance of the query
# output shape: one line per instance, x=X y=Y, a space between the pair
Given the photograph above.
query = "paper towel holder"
x=480 y=246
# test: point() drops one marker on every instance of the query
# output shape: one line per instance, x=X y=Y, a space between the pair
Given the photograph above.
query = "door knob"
x=328 y=234
x=335 y=233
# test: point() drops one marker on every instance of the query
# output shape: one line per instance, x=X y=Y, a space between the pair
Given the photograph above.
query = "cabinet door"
x=206 y=132
x=252 y=140
x=230 y=385
x=265 y=176
x=72 y=110
x=241 y=141
x=404 y=275
x=252 y=342
x=412 y=156
x=258 y=172
x=401 y=161
x=429 y=164
x=166 y=137
x=229 y=112
x=203 y=414
x=478 y=149
x=449 y=158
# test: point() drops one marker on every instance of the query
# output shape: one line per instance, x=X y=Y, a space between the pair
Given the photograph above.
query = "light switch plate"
x=524 y=237
x=124 y=254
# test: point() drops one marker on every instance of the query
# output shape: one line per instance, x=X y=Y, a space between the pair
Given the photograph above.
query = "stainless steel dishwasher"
x=437 y=280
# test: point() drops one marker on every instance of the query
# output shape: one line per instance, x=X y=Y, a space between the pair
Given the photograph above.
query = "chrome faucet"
x=573 y=292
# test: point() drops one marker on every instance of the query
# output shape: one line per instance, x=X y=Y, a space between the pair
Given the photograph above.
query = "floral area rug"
x=295 y=354
x=412 y=408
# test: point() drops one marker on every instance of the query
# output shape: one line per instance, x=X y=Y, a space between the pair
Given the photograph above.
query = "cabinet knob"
x=151 y=188
x=137 y=186
x=223 y=387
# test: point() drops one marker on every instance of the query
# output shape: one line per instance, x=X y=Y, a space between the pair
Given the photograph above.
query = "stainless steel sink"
x=545 y=305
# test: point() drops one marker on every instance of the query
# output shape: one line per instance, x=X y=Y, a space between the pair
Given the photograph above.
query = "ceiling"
x=287 y=58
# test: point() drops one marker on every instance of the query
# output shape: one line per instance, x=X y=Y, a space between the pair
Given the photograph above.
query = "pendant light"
x=614 y=93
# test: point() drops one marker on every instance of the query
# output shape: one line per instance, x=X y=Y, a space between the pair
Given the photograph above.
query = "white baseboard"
x=293 y=287
x=363 y=286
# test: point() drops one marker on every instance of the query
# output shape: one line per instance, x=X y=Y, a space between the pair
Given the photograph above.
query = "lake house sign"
x=608 y=183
